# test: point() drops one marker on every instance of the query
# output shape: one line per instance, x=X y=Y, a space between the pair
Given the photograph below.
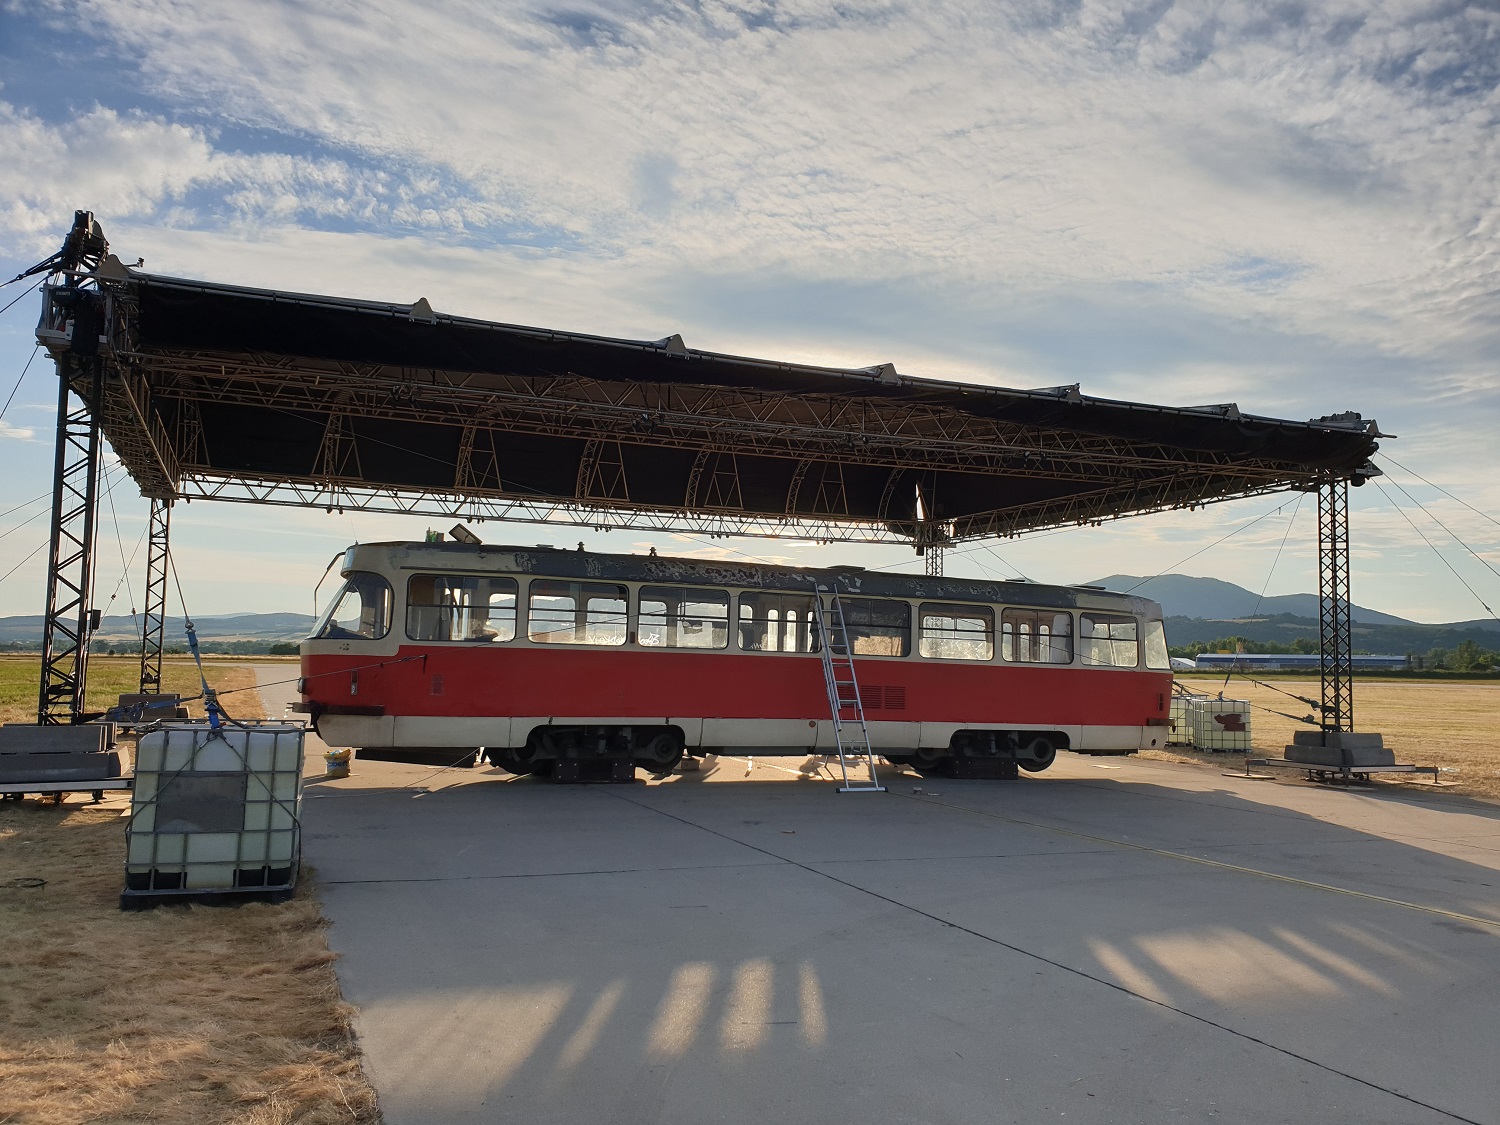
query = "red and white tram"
x=543 y=656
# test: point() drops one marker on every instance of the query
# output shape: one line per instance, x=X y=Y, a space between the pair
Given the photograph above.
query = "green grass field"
x=111 y=676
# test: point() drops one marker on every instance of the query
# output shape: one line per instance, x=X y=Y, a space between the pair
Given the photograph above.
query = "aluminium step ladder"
x=851 y=736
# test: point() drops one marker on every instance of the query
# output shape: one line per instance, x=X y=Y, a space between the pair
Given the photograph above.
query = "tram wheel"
x=662 y=754
x=1045 y=753
x=507 y=760
x=932 y=763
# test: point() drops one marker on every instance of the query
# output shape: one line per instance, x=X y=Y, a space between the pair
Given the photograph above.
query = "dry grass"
x=192 y=1014
x=112 y=676
x=1453 y=725
x=197 y=1014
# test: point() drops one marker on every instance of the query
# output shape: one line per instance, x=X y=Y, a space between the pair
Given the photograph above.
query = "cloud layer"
x=1294 y=206
x=1329 y=168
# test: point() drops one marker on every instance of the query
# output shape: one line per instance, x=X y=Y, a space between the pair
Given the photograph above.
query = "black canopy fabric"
x=231 y=383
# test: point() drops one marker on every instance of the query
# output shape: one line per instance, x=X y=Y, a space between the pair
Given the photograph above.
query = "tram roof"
x=675 y=570
x=272 y=396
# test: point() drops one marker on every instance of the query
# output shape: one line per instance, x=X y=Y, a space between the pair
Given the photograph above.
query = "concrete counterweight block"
x=1338 y=748
x=56 y=753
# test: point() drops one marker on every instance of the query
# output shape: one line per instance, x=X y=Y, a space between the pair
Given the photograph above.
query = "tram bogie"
x=562 y=663
x=656 y=749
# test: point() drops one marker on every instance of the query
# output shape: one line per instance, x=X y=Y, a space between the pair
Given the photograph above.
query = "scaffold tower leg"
x=153 y=620
x=69 y=619
x=1336 y=636
x=934 y=560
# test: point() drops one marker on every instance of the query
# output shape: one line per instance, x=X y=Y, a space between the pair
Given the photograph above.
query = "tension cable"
x=1266 y=585
x=1428 y=513
x=1435 y=551
x=12 y=397
x=1211 y=546
x=1440 y=488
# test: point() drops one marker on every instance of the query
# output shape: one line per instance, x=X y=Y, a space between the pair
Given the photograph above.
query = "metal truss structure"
x=154 y=621
x=70 y=618
x=217 y=392
x=1336 y=623
x=728 y=433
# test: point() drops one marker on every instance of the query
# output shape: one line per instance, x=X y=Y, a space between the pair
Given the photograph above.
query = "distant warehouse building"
x=1291 y=662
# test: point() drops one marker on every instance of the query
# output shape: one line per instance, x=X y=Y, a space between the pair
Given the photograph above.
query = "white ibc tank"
x=215 y=811
x=1180 y=724
x=1220 y=724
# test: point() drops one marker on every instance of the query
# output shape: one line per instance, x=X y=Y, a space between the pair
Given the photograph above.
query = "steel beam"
x=596 y=512
x=1335 y=632
x=719 y=419
x=153 y=623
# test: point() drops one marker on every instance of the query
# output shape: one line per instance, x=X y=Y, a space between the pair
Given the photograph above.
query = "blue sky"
x=1290 y=206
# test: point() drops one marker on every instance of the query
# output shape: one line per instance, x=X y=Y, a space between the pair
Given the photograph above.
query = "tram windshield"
x=362 y=610
x=1156 y=646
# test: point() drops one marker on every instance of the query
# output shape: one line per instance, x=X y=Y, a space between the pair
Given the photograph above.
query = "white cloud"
x=1294 y=208
x=1263 y=167
x=15 y=433
x=125 y=164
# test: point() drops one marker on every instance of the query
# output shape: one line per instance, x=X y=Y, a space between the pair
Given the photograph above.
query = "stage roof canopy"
x=219 y=391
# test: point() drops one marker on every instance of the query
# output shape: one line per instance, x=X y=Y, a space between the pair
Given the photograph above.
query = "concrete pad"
x=730 y=949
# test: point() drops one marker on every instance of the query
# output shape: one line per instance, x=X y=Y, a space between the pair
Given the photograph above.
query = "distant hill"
x=267 y=628
x=1182 y=595
x=1396 y=640
x=1208 y=609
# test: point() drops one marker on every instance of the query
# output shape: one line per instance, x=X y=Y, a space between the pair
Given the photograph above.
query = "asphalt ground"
x=1113 y=941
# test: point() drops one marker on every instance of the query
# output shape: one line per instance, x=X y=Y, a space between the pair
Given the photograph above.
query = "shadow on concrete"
x=1115 y=949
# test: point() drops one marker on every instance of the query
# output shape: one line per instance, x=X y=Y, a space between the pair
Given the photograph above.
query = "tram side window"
x=450 y=607
x=361 y=611
x=1108 y=640
x=576 y=613
x=877 y=627
x=683 y=618
x=1156 y=646
x=778 y=623
x=957 y=632
x=1036 y=636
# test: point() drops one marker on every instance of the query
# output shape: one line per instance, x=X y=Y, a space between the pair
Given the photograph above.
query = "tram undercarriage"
x=604 y=753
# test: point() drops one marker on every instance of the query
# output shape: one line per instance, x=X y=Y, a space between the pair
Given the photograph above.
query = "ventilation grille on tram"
x=876 y=698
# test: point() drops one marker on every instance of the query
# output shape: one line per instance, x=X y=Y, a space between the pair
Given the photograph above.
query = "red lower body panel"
x=589 y=682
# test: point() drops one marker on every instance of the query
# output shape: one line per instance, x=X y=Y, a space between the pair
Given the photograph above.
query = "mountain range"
x=254 y=628
x=1207 y=609
x=1182 y=595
